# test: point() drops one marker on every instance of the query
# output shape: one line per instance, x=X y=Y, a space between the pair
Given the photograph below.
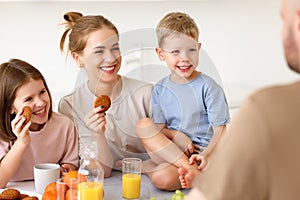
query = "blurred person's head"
x=290 y=14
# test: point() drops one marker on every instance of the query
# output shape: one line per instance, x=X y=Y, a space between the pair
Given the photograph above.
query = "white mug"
x=44 y=174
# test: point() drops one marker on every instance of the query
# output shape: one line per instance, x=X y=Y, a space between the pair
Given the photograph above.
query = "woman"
x=94 y=45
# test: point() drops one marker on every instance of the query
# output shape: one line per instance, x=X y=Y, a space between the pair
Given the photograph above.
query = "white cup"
x=44 y=174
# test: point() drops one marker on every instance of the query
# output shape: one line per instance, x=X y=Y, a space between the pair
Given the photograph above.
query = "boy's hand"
x=184 y=143
x=199 y=159
x=190 y=149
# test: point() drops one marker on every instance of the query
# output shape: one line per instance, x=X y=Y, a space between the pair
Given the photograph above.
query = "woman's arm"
x=96 y=122
x=104 y=154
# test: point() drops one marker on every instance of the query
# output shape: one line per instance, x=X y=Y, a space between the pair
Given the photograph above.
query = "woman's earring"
x=80 y=64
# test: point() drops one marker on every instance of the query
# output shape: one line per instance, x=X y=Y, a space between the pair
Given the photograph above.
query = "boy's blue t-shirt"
x=192 y=108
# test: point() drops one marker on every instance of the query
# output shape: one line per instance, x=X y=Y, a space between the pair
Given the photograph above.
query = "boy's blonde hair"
x=174 y=24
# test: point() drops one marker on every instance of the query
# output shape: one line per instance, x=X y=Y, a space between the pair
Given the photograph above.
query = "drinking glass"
x=66 y=189
x=131 y=178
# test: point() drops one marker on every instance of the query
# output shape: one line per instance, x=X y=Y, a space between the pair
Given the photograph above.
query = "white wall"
x=241 y=36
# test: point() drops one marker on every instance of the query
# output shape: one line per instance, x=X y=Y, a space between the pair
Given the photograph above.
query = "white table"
x=112 y=188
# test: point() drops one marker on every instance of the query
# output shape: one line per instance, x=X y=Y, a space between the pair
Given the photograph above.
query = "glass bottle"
x=90 y=172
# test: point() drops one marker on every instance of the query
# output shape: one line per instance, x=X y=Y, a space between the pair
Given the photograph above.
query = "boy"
x=189 y=106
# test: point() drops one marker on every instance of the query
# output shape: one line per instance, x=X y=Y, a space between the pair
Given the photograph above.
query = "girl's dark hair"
x=13 y=74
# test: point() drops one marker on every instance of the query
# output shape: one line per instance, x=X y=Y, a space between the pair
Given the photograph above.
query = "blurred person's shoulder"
x=276 y=103
x=277 y=93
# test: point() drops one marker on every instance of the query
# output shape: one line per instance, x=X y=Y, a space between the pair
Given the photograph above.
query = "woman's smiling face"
x=101 y=56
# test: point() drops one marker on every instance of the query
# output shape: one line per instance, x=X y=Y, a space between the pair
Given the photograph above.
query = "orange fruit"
x=71 y=178
x=49 y=195
x=71 y=194
x=50 y=187
x=74 y=174
x=71 y=174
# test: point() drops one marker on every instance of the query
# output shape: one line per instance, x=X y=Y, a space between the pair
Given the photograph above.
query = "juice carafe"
x=90 y=174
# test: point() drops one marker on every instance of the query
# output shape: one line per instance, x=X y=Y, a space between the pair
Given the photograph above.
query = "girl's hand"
x=199 y=159
x=20 y=130
x=95 y=120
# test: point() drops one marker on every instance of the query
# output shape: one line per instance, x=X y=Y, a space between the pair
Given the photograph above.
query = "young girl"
x=47 y=137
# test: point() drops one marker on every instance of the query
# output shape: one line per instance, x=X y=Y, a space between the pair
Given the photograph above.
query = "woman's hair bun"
x=72 y=16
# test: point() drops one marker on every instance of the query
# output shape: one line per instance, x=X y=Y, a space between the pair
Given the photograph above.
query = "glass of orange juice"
x=131 y=178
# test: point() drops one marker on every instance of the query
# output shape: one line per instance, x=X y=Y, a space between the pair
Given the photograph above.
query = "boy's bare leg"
x=165 y=177
x=160 y=148
x=180 y=139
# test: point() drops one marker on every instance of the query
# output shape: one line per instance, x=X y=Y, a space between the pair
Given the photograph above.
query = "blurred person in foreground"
x=258 y=157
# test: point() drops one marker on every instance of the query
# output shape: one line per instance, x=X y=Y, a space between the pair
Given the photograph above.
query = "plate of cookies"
x=16 y=194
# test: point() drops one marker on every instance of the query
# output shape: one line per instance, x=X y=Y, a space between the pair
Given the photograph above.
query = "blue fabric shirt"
x=192 y=108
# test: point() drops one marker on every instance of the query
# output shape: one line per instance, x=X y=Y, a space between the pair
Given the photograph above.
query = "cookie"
x=27 y=112
x=23 y=196
x=102 y=100
x=10 y=194
x=30 y=198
